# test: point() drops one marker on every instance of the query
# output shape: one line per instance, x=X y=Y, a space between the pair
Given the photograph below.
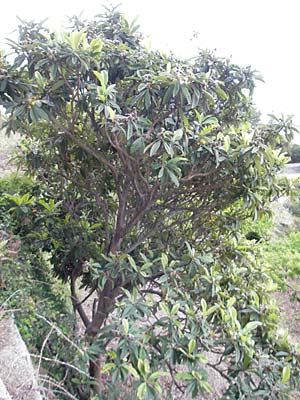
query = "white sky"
x=261 y=33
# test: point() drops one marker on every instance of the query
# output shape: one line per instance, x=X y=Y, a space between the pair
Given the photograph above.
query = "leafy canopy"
x=148 y=163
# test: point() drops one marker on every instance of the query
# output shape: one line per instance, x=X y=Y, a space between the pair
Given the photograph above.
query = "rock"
x=4 y=395
x=16 y=369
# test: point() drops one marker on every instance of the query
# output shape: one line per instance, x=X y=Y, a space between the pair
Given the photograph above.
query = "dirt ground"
x=289 y=305
x=289 y=300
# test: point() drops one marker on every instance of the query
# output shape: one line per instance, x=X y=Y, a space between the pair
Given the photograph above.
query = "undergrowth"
x=37 y=299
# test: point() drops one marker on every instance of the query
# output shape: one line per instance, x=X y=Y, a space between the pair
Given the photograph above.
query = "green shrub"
x=16 y=183
x=39 y=304
x=295 y=153
x=149 y=163
x=29 y=289
x=294 y=202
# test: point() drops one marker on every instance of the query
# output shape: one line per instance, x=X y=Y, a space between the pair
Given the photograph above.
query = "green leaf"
x=286 y=372
x=186 y=94
x=132 y=263
x=164 y=307
x=131 y=370
x=209 y=97
x=203 y=306
x=96 y=45
x=184 y=376
x=102 y=77
x=125 y=326
x=158 y=374
x=175 y=309
x=141 y=391
x=168 y=94
x=143 y=366
x=76 y=38
x=209 y=120
x=176 y=88
x=203 y=359
x=173 y=177
x=111 y=112
x=226 y=146
x=221 y=93
x=192 y=345
x=206 y=386
x=147 y=99
x=57 y=85
x=251 y=326
x=177 y=135
x=40 y=113
x=137 y=146
x=107 y=367
x=169 y=149
x=164 y=261
x=155 y=148
x=211 y=310
x=40 y=80
x=195 y=98
x=231 y=301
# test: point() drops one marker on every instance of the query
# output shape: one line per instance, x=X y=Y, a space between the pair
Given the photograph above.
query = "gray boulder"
x=16 y=369
x=4 y=395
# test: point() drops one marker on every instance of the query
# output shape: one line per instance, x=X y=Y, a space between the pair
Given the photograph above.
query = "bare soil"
x=289 y=304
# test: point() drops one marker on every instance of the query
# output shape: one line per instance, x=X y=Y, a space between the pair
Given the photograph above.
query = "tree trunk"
x=104 y=307
x=95 y=373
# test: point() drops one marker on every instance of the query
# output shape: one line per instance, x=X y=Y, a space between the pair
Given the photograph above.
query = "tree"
x=148 y=164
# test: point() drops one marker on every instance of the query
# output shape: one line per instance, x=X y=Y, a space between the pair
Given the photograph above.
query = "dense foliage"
x=37 y=299
x=294 y=153
x=147 y=165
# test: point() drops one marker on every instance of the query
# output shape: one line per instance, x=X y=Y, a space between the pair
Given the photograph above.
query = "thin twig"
x=61 y=333
x=42 y=348
x=61 y=363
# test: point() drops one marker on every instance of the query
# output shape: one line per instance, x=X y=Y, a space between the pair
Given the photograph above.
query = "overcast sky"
x=262 y=33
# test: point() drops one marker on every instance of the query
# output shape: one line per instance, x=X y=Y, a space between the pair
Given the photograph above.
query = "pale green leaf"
x=164 y=261
x=141 y=391
x=286 y=372
x=125 y=326
x=191 y=346
x=131 y=370
x=107 y=367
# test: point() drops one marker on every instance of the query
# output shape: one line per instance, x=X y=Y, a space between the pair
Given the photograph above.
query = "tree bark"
x=104 y=307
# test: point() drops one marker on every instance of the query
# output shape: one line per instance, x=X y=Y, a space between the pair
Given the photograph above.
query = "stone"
x=4 y=395
x=16 y=369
